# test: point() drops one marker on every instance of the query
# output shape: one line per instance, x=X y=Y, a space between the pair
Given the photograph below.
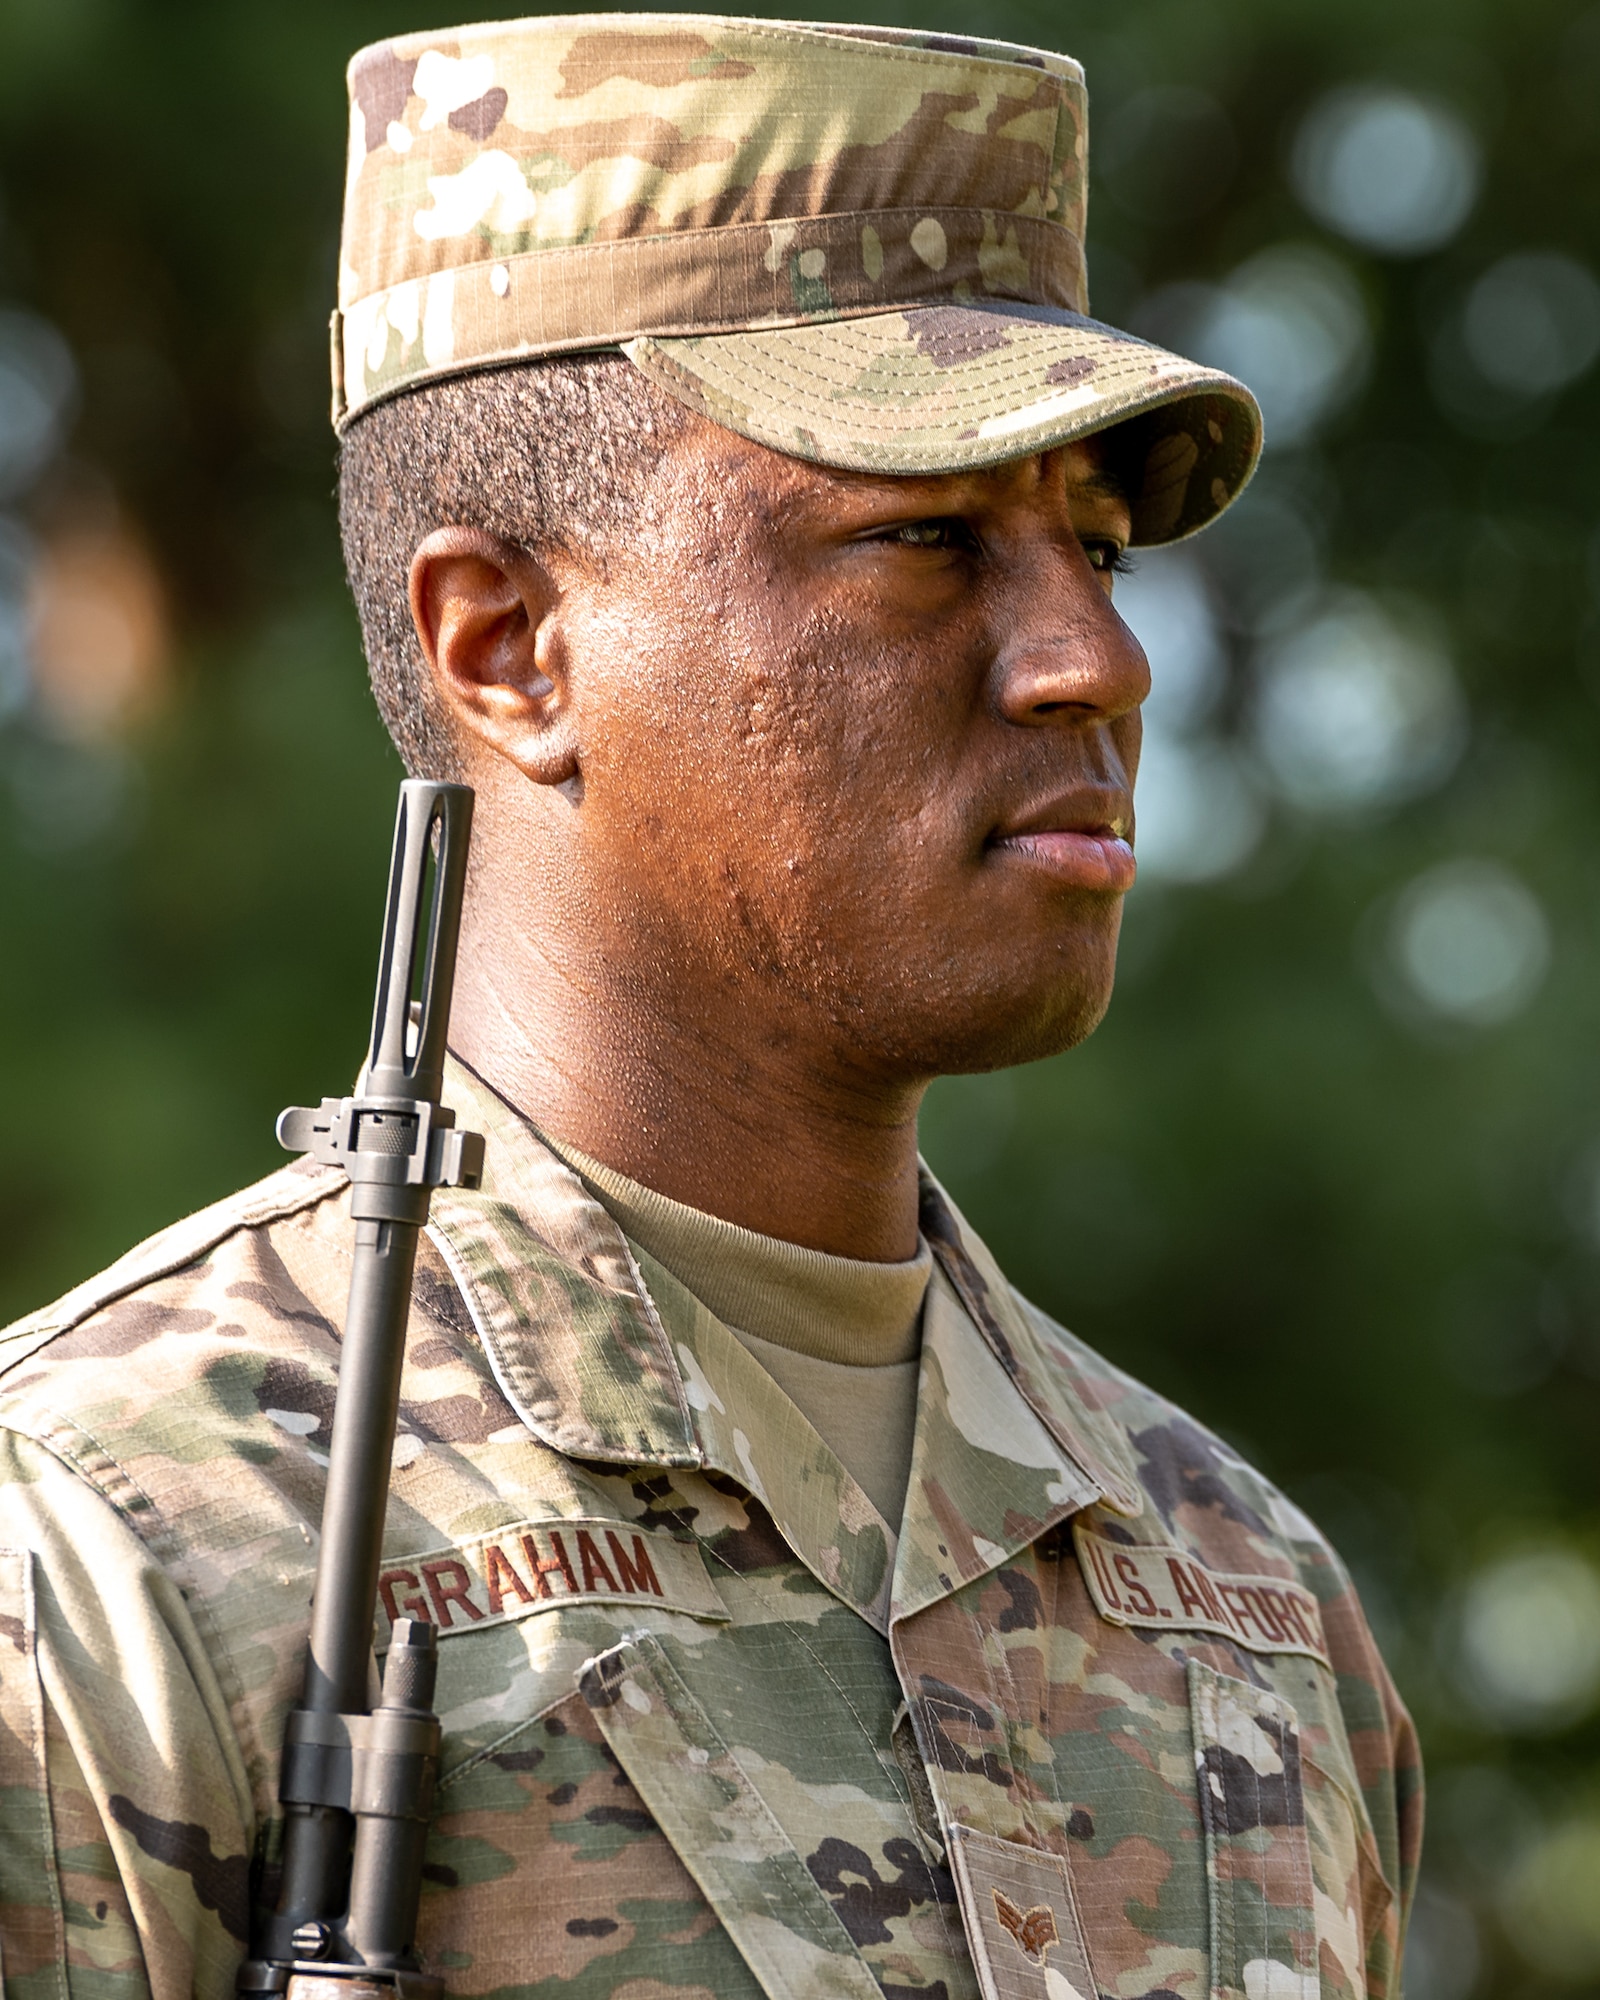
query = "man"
x=732 y=491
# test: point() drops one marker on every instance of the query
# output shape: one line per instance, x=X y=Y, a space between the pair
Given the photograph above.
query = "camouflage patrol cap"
x=860 y=246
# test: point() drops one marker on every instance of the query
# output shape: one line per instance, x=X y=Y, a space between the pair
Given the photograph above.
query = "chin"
x=976 y=1002
x=986 y=1029
x=1039 y=1008
x=1033 y=1033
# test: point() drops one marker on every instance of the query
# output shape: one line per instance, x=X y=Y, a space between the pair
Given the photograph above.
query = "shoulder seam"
x=168 y=1251
x=1304 y=1551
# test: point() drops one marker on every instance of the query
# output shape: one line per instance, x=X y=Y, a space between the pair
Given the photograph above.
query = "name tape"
x=541 y=1566
x=1153 y=1586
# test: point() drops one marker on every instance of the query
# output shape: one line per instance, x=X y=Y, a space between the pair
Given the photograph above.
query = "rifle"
x=359 y=1761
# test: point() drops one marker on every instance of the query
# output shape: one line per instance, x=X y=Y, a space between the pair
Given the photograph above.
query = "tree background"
x=1330 y=1172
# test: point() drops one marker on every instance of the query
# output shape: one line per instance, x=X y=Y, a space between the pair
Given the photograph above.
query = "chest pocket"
x=1292 y=1882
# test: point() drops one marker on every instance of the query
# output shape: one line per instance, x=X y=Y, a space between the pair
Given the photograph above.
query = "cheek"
x=794 y=747
x=1128 y=735
x=864 y=729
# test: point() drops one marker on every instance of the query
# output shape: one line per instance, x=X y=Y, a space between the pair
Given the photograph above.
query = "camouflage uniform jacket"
x=1103 y=1717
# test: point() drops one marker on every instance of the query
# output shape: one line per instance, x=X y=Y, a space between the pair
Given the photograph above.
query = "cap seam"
x=972 y=452
x=997 y=374
x=822 y=33
x=675 y=238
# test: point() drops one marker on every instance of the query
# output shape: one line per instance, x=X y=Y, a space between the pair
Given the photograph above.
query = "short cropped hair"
x=551 y=455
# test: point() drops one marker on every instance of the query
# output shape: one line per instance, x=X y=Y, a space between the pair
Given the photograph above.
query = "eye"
x=1109 y=557
x=947 y=534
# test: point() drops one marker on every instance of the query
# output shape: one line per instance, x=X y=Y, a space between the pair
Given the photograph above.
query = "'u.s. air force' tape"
x=1139 y=1583
x=541 y=1566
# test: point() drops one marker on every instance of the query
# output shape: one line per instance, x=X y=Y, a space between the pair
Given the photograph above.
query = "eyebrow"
x=1101 y=484
x=1106 y=485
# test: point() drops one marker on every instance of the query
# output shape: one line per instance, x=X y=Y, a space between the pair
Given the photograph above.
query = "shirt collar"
x=601 y=1361
x=751 y=1430
x=1008 y=1442
x=572 y=1334
x=1041 y=1361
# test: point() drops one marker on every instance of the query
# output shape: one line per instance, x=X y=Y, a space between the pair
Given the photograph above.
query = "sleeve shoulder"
x=299 y=1186
x=32 y=1929
x=125 y=1819
x=1382 y=1737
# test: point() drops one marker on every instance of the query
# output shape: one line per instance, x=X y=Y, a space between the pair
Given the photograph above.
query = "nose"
x=1065 y=657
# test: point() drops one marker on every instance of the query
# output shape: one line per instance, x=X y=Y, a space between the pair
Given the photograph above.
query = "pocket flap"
x=1258 y=1857
x=722 y=1829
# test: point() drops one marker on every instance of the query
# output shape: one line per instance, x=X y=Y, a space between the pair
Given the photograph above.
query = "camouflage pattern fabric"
x=860 y=246
x=1099 y=1716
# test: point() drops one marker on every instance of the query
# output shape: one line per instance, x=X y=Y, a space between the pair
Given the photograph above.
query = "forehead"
x=1086 y=472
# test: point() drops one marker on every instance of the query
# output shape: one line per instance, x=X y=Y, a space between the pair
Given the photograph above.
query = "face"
x=851 y=758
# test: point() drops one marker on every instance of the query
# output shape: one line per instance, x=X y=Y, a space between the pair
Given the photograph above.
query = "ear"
x=486 y=613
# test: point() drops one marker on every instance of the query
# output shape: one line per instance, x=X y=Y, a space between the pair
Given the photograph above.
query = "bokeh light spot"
x=98 y=637
x=1393 y=172
x=38 y=383
x=1469 y=943
x=1530 y=1638
x=1551 y=1902
x=1355 y=711
x=1200 y=814
x=1291 y=323
x=1531 y=323
x=17 y=559
x=1165 y=603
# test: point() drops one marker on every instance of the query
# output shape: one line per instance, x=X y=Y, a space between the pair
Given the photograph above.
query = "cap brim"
x=947 y=388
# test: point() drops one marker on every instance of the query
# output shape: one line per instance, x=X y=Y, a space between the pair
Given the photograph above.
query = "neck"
x=723 y=1110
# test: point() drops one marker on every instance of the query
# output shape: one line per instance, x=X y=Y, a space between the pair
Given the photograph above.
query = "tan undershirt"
x=841 y=1337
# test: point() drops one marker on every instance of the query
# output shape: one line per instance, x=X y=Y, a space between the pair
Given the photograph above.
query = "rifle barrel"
x=348 y=1898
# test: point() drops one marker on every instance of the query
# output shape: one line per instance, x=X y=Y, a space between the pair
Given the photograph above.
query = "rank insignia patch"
x=1156 y=1587
x=1022 y=1919
x=1034 y=1930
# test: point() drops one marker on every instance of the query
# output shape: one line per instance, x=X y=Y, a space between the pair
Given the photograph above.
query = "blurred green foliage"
x=1359 y=1238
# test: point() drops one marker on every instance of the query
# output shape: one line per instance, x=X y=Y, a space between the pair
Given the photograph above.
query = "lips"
x=1080 y=842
